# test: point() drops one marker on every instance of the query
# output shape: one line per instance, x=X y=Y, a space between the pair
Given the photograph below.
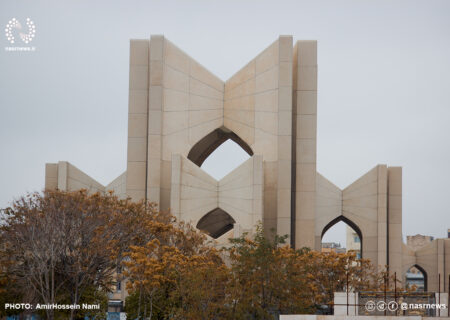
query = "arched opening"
x=416 y=279
x=216 y=223
x=208 y=144
x=342 y=235
x=227 y=157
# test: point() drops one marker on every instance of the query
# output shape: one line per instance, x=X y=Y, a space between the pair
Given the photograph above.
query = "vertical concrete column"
x=284 y=136
x=175 y=194
x=447 y=265
x=63 y=175
x=137 y=119
x=155 y=119
x=441 y=264
x=382 y=236
x=395 y=219
x=51 y=176
x=258 y=82
x=304 y=141
x=258 y=190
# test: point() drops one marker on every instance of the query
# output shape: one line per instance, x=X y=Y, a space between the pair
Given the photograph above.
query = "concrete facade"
x=179 y=113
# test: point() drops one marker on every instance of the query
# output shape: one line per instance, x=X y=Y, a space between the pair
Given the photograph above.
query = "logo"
x=370 y=306
x=392 y=306
x=16 y=35
x=15 y=24
x=381 y=306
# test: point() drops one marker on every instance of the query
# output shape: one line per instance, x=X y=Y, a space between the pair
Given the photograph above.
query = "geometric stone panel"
x=214 y=206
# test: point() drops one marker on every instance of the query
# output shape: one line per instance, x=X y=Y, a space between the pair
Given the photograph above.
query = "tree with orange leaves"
x=266 y=278
x=59 y=246
x=182 y=276
x=269 y=277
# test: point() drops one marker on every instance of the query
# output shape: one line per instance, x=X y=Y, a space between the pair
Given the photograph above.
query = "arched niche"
x=216 y=223
x=203 y=148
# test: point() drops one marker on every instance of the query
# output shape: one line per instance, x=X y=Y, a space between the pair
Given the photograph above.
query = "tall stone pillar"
x=395 y=220
x=137 y=120
x=304 y=142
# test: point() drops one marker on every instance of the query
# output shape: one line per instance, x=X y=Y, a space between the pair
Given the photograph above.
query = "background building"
x=332 y=247
x=353 y=241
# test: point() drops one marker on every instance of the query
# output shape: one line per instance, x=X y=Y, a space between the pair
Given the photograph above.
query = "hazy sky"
x=383 y=95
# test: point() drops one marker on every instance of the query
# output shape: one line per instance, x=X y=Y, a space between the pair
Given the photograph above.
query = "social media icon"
x=392 y=306
x=370 y=306
x=381 y=306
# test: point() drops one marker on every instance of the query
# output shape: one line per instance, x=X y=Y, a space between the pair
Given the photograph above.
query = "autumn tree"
x=61 y=245
x=270 y=277
x=266 y=277
x=179 y=274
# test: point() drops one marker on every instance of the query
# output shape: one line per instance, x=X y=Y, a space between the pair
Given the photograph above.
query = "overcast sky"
x=383 y=93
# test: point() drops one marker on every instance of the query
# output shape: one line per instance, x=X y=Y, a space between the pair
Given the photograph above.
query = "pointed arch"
x=216 y=223
x=203 y=148
x=349 y=223
x=424 y=273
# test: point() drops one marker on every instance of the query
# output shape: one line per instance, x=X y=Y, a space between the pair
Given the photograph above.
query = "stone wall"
x=258 y=108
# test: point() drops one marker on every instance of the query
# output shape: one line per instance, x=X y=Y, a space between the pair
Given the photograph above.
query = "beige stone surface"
x=197 y=71
x=137 y=117
x=204 y=103
x=307 y=102
x=365 y=204
x=137 y=149
x=394 y=206
x=118 y=186
x=76 y=179
x=240 y=192
x=194 y=193
x=266 y=101
x=137 y=101
x=328 y=203
x=137 y=125
x=268 y=58
x=66 y=177
x=175 y=80
x=139 y=54
x=304 y=151
x=246 y=73
x=268 y=80
x=175 y=57
x=198 y=132
x=156 y=97
x=175 y=100
x=138 y=77
x=136 y=174
x=51 y=176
